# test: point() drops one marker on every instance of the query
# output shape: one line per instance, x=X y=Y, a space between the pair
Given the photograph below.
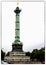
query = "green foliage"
x=2 y=55
x=27 y=53
x=41 y=55
x=37 y=54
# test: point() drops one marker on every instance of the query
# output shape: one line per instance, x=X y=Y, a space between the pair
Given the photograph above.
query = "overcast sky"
x=31 y=25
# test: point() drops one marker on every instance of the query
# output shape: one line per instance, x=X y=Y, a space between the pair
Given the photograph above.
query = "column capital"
x=17 y=10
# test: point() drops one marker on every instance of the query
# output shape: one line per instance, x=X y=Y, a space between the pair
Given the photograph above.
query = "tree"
x=42 y=55
x=38 y=54
x=2 y=55
x=27 y=53
x=34 y=54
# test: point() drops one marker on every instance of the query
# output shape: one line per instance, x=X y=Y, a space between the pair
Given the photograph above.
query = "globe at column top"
x=17 y=10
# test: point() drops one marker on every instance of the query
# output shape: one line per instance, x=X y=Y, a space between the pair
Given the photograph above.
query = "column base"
x=17 y=46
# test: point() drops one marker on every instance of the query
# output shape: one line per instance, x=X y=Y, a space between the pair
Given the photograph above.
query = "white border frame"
x=22 y=1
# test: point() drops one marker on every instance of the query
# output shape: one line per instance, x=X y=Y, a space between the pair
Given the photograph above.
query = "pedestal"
x=17 y=47
x=17 y=58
